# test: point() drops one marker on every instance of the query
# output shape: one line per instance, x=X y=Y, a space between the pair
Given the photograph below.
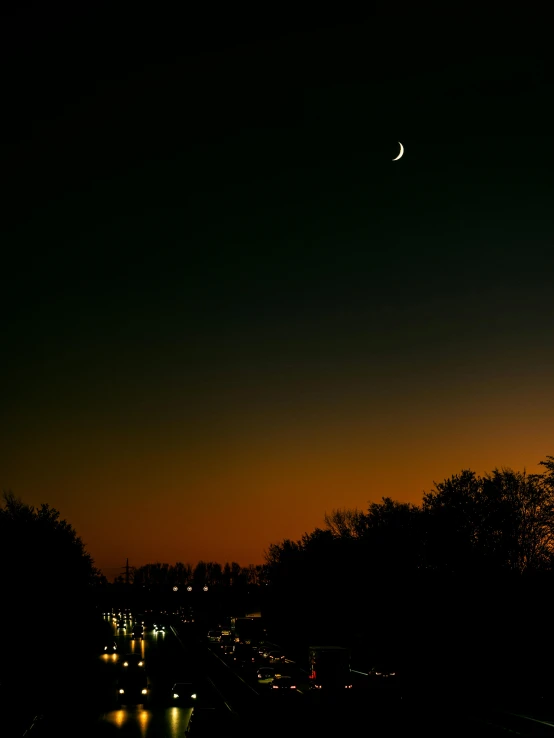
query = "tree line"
x=466 y=574
x=458 y=585
x=210 y=573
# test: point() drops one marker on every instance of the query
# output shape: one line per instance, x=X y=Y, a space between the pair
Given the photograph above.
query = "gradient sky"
x=226 y=311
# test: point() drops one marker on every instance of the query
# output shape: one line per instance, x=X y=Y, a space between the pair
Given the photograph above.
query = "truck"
x=244 y=655
x=329 y=668
x=249 y=630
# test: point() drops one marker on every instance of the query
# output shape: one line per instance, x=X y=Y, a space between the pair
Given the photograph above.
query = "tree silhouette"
x=345 y=523
x=46 y=572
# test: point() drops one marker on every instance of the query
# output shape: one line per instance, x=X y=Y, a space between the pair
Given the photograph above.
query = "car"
x=266 y=650
x=133 y=689
x=132 y=661
x=244 y=655
x=111 y=647
x=265 y=675
x=138 y=634
x=205 y=721
x=184 y=693
x=283 y=682
x=275 y=657
x=383 y=676
x=159 y=628
x=121 y=626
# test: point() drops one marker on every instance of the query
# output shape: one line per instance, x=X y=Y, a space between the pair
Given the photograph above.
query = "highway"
x=89 y=705
x=92 y=707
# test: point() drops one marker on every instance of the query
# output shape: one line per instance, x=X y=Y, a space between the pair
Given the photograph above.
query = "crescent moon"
x=401 y=152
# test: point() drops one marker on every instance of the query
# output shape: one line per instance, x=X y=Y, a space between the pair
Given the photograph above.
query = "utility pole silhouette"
x=126 y=567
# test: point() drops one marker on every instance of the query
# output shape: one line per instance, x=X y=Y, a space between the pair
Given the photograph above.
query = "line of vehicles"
x=132 y=684
x=138 y=625
x=245 y=646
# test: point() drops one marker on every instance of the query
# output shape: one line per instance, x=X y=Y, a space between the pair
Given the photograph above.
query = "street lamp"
x=189 y=588
x=175 y=589
x=205 y=588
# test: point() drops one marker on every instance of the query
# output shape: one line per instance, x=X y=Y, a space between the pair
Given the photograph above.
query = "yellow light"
x=141 y=663
x=144 y=691
x=126 y=663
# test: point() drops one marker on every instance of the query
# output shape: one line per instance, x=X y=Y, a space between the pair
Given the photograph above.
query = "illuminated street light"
x=175 y=589
x=189 y=588
x=205 y=588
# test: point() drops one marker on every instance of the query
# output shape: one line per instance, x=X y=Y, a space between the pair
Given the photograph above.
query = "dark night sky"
x=225 y=310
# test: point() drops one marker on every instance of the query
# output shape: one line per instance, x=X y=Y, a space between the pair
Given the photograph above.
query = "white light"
x=121 y=691
x=144 y=691
x=105 y=648
x=193 y=696
x=141 y=663
x=126 y=663
x=175 y=589
x=189 y=589
x=175 y=696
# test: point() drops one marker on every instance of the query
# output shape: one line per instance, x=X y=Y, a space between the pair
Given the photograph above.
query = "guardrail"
x=33 y=724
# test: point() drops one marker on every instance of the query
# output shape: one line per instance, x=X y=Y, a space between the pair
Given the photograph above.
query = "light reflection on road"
x=172 y=722
x=144 y=718
x=176 y=719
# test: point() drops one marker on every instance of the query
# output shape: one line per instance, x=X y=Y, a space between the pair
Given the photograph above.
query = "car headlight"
x=141 y=663
x=105 y=648
x=126 y=663
x=121 y=691
x=144 y=691
x=193 y=696
x=175 y=696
